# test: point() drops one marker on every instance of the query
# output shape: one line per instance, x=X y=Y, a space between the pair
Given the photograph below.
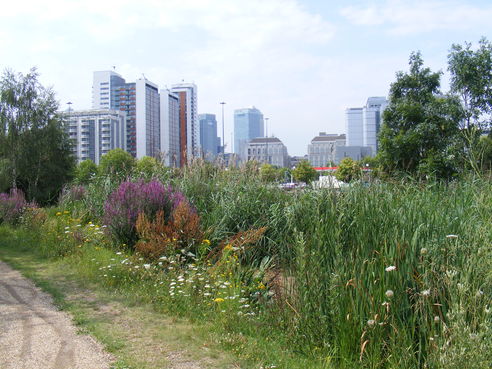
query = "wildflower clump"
x=12 y=206
x=130 y=199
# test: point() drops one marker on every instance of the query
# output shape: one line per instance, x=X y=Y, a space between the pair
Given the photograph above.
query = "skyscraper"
x=140 y=101
x=189 y=129
x=170 y=128
x=248 y=124
x=208 y=135
x=363 y=124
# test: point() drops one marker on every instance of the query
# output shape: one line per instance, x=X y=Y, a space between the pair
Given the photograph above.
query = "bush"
x=132 y=198
x=12 y=206
x=160 y=237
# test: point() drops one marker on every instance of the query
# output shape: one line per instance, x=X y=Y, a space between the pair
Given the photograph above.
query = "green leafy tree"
x=116 y=162
x=348 y=170
x=471 y=80
x=34 y=148
x=304 y=172
x=420 y=132
x=85 y=171
x=268 y=173
x=147 y=167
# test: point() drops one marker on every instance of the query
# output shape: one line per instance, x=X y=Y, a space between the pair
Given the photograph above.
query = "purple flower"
x=132 y=198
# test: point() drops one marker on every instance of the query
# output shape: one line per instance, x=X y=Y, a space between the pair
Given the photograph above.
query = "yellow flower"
x=206 y=242
x=228 y=247
x=66 y=212
x=58 y=213
x=261 y=286
x=219 y=299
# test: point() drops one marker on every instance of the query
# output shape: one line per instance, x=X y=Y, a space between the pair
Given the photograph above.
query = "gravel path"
x=35 y=335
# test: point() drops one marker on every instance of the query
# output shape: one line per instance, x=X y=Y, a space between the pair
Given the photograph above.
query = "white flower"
x=426 y=292
x=452 y=236
x=390 y=268
x=118 y=253
x=67 y=227
x=146 y=266
x=245 y=306
x=436 y=319
x=207 y=294
x=423 y=251
x=67 y=231
x=389 y=294
x=371 y=322
x=207 y=286
x=124 y=261
x=163 y=258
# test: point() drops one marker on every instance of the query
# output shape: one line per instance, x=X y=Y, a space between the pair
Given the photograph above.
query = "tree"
x=268 y=173
x=34 y=148
x=147 y=167
x=420 y=132
x=304 y=172
x=85 y=171
x=348 y=170
x=471 y=80
x=117 y=162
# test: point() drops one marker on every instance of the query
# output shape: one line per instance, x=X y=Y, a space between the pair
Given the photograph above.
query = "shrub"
x=162 y=237
x=132 y=198
x=12 y=205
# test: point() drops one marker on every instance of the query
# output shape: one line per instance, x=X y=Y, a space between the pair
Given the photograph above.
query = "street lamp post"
x=223 y=134
x=266 y=134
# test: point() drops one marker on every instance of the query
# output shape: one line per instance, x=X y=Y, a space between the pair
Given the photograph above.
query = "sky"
x=301 y=62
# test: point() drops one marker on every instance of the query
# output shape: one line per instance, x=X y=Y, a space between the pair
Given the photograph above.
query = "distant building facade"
x=95 y=132
x=169 y=121
x=363 y=124
x=189 y=129
x=209 y=141
x=140 y=101
x=268 y=150
x=248 y=124
x=322 y=149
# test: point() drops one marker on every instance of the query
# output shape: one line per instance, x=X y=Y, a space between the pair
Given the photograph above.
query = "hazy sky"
x=302 y=63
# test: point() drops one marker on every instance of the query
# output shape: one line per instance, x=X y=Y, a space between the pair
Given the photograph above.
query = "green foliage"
x=147 y=167
x=348 y=170
x=471 y=80
x=269 y=173
x=420 y=132
x=85 y=171
x=117 y=162
x=35 y=150
x=304 y=172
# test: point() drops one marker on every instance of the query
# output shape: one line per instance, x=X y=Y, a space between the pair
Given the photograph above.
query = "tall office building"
x=363 y=124
x=95 y=132
x=248 y=124
x=170 y=128
x=208 y=136
x=140 y=101
x=189 y=129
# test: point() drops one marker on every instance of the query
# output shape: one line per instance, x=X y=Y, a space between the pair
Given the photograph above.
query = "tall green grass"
x=370 y=276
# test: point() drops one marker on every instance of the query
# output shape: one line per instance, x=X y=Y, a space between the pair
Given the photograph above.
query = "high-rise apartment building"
x=95 y=132
x=140 y=101
x=209 y=141
x=248 y=124
x=170 y=128
x=363 y=124
x=189 y=129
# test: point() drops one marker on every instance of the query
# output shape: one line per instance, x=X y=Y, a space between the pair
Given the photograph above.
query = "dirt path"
x=34 y=334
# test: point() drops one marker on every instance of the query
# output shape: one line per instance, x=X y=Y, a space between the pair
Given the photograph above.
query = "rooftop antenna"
x=114 y=67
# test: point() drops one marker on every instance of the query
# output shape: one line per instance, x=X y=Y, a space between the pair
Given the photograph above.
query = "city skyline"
x=301 y=63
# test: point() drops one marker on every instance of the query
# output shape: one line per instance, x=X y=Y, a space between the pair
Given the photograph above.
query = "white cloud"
x=410 y=17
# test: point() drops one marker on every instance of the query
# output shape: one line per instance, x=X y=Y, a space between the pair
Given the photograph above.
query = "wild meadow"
x=393 y=274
